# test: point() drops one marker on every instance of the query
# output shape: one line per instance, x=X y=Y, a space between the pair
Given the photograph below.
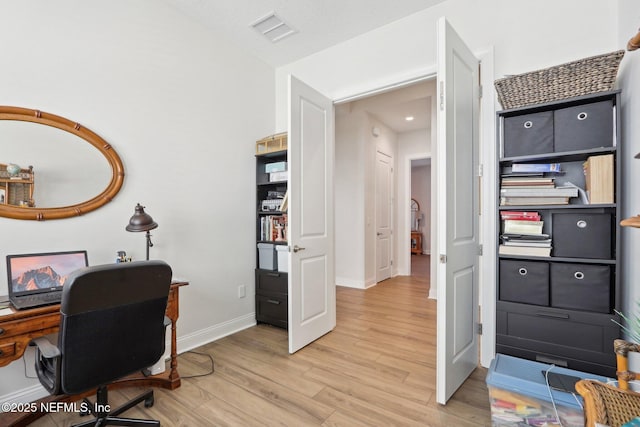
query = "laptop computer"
x=37 y=279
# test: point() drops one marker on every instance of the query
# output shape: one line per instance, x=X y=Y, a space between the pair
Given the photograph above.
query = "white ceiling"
x=394 y=106
x=319 y=24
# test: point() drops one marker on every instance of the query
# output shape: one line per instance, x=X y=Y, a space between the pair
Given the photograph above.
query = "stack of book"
x=530 y=184
x=273 y=228
x=522 y=234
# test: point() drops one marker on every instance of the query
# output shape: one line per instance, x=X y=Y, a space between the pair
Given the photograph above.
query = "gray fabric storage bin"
x=583 y=127
x=581 y=287
x=524 y=281
x=528 y=134
x=581 y=235
x=267 y=256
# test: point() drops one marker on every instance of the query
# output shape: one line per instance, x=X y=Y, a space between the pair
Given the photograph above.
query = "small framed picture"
x=2 y=196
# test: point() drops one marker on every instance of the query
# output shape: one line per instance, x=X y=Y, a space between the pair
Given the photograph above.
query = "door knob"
x=297 y=248
x=378 y=234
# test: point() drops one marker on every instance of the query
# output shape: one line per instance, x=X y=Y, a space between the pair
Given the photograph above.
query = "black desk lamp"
x=141 y=221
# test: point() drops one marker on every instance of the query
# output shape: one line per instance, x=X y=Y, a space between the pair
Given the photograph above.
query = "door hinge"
x=480 y=91
x=391 y=262
x=479 y=328
x=441 y=95
x=480 y=248
x=443 y=259
x=480 y=170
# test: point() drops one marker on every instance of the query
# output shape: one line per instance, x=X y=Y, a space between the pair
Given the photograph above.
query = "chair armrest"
x=47 y=365
x=47 y=350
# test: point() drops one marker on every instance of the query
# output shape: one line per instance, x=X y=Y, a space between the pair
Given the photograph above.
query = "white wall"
x=525 y=37
x=183 y=110
x=629 y=21
x=349 y=192
x=521 y=37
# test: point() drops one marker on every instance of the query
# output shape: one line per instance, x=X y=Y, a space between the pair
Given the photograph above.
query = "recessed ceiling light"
x=273 y=27
x=409 y=118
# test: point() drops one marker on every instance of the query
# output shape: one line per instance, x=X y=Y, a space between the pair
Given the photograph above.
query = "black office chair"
x=112 y=325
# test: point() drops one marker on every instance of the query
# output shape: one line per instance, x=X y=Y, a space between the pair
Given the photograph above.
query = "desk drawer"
x=7 y=351
x=30 y=324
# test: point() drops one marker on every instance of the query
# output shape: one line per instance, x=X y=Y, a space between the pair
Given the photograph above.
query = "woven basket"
x=582 y=77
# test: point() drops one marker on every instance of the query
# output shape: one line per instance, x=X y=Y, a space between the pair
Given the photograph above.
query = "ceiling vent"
x=273 y=28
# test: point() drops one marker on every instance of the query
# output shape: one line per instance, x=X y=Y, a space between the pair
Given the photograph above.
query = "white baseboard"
x=350 y=283
x=184 y=343
x=25 y=395
x=371 y=281
x=215 y=332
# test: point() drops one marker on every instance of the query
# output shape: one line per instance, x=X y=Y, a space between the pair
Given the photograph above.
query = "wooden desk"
x=20 y=327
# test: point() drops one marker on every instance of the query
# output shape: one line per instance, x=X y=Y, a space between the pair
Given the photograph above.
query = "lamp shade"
x=141 y=221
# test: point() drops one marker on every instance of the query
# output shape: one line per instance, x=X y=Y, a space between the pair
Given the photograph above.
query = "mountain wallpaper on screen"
x=43 y=277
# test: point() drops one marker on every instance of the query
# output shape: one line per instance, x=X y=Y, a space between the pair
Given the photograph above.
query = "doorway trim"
x=488 y=191
x=427 y=74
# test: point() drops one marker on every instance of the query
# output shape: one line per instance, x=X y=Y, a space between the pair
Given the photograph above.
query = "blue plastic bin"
x=519 y=395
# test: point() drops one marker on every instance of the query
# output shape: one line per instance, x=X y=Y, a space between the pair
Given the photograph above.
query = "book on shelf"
x=599 y=175
x=524 y=237
x=525 y=185
x=284 y=207
x=518 y=181
x=508 y=173
x=514 y=226
x=529 y=244
x=536 y=191
x=524 y=250
x=520 y=201
x=273 y=228
x=536 y=167
x=520 y=215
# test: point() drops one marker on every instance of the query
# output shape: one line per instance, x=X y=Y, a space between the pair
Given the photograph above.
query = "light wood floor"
x=377 y=368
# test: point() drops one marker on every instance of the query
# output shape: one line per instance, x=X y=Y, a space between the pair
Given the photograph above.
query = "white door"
x=312 y=291
x=384 y=179
x=457 y=205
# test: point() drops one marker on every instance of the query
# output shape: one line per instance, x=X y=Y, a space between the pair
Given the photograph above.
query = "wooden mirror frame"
x=41 y=214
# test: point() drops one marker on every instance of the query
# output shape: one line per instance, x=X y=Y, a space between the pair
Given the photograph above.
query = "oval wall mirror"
x=65 y=169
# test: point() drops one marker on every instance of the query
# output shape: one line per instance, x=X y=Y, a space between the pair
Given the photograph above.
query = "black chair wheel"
x=148 y=402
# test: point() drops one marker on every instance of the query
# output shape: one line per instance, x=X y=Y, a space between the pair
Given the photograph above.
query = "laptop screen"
x=45 y=272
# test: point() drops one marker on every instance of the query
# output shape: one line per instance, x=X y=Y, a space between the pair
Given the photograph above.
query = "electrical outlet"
x=242 y=291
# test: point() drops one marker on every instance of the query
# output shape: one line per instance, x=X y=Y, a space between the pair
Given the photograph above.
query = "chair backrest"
x=112 y=322
x=606 y=404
